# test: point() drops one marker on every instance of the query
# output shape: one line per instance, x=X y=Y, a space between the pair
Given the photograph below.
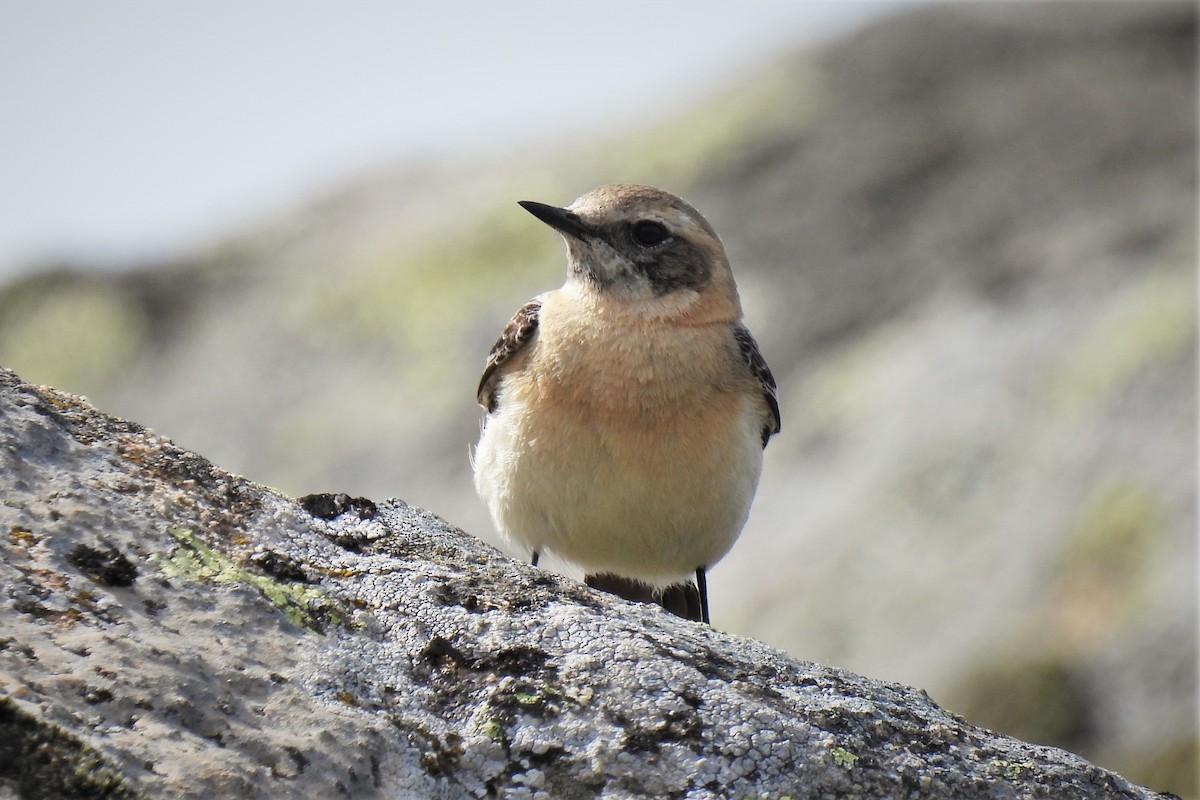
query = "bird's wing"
x=517 y=333
x=762 y=373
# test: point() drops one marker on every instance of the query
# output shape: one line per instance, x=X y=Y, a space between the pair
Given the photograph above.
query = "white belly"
x=652 y=501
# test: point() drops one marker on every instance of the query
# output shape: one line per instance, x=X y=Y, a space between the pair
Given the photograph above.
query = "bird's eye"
x=648 y=233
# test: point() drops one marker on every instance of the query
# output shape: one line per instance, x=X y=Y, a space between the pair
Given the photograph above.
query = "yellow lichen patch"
x=22 y=537
x=843 y=757
x=304 y=605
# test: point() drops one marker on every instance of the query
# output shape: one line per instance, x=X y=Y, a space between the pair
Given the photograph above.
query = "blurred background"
x=285 y=235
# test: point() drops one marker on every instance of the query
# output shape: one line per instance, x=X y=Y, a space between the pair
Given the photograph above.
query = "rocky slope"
x=966 y=241
x=170 y=630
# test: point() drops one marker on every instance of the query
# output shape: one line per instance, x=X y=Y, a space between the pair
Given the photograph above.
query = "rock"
x=170 y=629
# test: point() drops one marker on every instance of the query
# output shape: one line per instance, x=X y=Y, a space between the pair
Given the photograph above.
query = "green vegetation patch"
x=425 y=303
x=1119 y=530
x=1106 y=574
x=1168 y=767
x=1149 y=322
x=753 y=113
x=1044 y=701
x=304 y=605
x=68 y=331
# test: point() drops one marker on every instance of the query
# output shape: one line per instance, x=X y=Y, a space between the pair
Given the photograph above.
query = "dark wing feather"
x=516 y=334
x=762 y=373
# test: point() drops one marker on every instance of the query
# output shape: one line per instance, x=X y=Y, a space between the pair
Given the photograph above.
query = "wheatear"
x=627 y=411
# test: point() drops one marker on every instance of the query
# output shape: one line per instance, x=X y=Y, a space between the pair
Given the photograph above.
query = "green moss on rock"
x=44 y=762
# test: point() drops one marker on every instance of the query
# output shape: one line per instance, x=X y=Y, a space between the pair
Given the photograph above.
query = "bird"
x=626 y=413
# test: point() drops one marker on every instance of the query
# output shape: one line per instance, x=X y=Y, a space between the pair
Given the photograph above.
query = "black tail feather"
x=685 y=600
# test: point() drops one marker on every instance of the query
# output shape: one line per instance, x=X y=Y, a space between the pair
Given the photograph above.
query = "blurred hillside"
x=966 y=241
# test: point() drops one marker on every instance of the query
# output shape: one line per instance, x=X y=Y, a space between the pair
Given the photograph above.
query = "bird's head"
x=644 y=248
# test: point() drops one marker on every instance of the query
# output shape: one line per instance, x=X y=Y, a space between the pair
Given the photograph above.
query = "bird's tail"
x=681 y=599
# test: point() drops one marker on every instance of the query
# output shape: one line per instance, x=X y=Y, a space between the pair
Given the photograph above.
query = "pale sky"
x=137 y=128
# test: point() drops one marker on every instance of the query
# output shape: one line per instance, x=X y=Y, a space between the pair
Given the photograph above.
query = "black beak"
x=560 y=219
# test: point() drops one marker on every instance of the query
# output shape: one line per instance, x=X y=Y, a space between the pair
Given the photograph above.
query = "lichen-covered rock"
x=966 y=238
x=169 y=629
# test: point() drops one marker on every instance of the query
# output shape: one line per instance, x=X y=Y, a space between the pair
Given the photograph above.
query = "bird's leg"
x=702 y=589
x=533 y=561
